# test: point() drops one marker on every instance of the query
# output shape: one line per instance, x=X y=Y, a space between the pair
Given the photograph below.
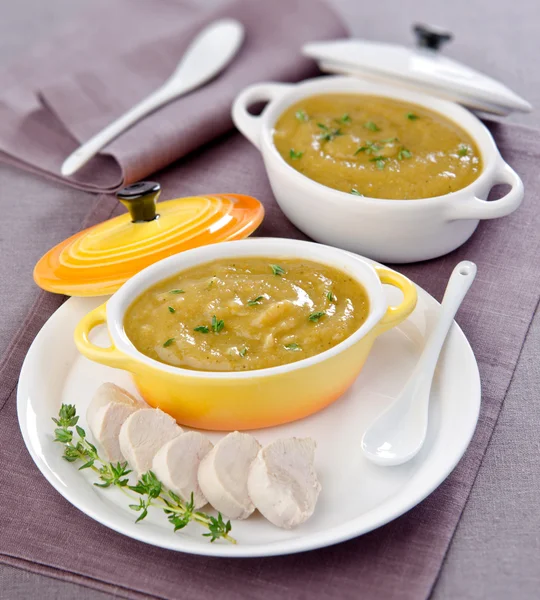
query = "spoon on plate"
x=399 y=433
x=208 y=54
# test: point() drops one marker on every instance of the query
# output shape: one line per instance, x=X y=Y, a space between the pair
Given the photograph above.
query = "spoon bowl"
x=399 y=433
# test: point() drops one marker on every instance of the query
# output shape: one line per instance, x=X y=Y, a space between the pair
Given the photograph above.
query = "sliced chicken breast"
x=282 y=482
x=177 y=462
x=223 y=474
x=143 y=434
x=109 y=408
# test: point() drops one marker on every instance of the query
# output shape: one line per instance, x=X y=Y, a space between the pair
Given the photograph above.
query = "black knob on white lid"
x=432 y=37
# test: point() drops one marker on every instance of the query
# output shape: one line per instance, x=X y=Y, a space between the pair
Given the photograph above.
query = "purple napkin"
x=68 y=89
x=400 y=561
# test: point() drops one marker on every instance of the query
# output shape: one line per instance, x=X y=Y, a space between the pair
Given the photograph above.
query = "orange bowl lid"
x=98 y=260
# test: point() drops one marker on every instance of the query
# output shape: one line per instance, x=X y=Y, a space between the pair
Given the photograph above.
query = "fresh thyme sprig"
x=328 y=134
x=379 y=161
x=217 y=324
x=151 y=492
x=404 y=153
x=372 y=126
x=368 y=148
x=294 y=347
x=277 y=270
x=255 y=301
x=346 y=118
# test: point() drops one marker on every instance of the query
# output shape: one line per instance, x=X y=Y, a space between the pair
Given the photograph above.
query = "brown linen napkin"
x=42 y=532
x=115 y=55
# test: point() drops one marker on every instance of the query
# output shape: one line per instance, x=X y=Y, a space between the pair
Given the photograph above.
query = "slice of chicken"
x=223 y=474
x=143 y=434
x=176 y=465
x=282 y=482
x=111 y=405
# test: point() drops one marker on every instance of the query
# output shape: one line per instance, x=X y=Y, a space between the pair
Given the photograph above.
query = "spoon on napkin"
x=208 y=54
x=399 y=433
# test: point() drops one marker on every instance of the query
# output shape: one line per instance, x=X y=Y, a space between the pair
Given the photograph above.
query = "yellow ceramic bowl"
x=252 y=399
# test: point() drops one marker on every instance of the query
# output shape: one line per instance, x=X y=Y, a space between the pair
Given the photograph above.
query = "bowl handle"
x=476 y=208
x=111 y=356
x=248 y=124
x=396 y=314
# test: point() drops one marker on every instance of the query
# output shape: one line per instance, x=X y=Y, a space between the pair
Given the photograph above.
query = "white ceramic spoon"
x=208 y=54
x=399 y=433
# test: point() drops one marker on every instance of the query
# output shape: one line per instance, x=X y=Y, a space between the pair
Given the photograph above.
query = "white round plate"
x=356 y=496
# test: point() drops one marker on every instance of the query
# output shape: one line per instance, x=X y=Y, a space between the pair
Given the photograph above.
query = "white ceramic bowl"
x=396 y=231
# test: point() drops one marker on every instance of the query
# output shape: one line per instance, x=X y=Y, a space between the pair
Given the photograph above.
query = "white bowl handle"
x=248 y=124
x=483 y=209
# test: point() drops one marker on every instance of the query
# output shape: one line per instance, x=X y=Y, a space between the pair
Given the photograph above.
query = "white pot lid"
x=422 y=69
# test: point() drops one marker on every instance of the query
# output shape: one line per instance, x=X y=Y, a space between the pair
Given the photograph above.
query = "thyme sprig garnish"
x=328 y=134
x=404 y=153
x=277 y=270
x=379 y=161
x=293 y=346
x=150 y=491
x=371 y=147
x=368 y=148
x=372 y=126
x=217 y=324
x=346 y=118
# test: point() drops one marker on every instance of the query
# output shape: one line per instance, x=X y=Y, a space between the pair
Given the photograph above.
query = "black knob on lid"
x=428 y=36
x=140 y=199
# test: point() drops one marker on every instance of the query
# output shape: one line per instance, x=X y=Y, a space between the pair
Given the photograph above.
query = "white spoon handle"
x=90 y=148
x=208 y=54
x=458 y=285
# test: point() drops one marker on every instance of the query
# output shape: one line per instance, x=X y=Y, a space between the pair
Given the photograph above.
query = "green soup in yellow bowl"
x=306 y=314
x=246 y=313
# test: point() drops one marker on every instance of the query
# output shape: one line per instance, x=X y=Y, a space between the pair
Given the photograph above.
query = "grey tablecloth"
x=495 y=553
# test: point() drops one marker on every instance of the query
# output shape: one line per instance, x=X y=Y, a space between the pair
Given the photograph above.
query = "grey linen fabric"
x=400 y=560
